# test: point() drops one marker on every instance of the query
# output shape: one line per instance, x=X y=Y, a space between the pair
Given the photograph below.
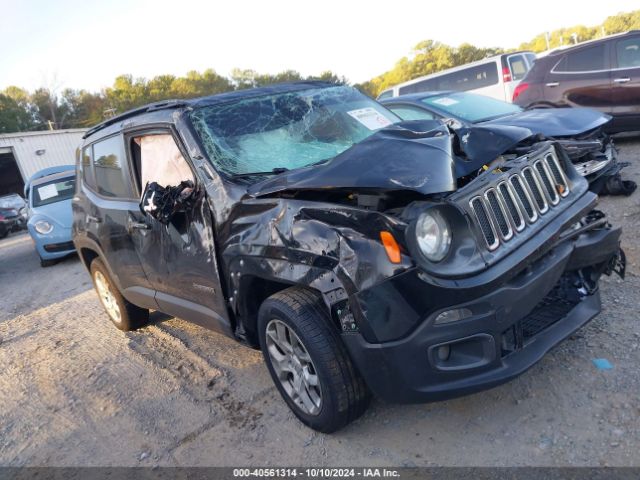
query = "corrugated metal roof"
x=58 y=148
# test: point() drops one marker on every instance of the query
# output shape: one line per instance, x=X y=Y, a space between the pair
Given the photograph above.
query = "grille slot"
x=547 y=182
x=524 y=197
x=485 y=223
x=558 y=174
x=535 y=189
x=499 y=214
x=512 y=205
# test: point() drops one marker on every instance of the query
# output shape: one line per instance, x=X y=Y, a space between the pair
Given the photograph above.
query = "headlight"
x=43 y=227
x=433 y=235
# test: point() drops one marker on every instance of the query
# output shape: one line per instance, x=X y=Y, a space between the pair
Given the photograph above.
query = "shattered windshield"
x=287 y=130
x=471 y=107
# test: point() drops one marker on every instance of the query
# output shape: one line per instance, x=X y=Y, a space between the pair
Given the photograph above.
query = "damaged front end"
x=450 y=261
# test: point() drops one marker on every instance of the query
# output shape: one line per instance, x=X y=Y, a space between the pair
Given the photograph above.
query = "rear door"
x=513 y=72
x=179 y=257
x=581 y=78
x=626 y=82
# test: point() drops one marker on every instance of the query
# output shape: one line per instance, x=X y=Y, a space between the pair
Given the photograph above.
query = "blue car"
x=49 y=222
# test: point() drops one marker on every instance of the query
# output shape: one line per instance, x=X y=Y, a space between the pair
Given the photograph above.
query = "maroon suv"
x=602 y=74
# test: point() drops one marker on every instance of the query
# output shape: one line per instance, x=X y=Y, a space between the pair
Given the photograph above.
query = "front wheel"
x=308 y=362
x=124 y=314
x=47 y=263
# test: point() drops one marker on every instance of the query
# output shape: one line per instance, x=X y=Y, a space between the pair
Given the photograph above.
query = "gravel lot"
x=76 y=391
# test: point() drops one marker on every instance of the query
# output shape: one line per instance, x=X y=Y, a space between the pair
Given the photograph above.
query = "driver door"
x=178 y=255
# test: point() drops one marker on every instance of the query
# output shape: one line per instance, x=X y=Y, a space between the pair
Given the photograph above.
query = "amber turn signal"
x=391 y=246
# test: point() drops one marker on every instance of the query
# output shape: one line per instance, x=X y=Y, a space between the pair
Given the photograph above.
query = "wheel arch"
x=251 y=287
x=87 y=255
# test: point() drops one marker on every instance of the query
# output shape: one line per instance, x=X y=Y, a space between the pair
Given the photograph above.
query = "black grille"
x=511 y=206
x=59 y=247
x=515 y=181
x=546 y=181
x=551 y=309
x=485 y=223
x=537 y=194
x=503 y=223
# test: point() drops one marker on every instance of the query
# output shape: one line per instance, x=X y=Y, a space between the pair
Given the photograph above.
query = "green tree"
x=13 y=117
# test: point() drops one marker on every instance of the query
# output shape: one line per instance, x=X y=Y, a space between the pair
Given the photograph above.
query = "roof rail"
x=136 y=111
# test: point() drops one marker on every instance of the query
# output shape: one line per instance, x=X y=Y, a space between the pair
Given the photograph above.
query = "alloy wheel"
x=293 y=366
x=107 y=297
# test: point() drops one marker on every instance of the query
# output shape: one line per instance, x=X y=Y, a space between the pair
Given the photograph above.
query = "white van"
x=495 y=77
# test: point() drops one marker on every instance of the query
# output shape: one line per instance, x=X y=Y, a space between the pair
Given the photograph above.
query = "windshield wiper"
x=275 y=171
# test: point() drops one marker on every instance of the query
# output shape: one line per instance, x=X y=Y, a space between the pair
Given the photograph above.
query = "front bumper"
x=57 y=244
x=511 y=327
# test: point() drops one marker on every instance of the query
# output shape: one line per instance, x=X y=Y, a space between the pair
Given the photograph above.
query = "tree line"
x=45 y=108
x=430 y=56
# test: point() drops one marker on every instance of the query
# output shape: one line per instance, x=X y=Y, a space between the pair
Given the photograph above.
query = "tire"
x=343 y=393
x=125 y=315
x=3 y=233
x=47 y=263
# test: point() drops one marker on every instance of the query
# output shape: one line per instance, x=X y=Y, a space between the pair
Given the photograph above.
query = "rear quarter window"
x=111 y=175
x=86 y=168
x=628 y=53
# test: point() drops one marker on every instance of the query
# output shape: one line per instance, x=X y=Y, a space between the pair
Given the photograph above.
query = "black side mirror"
x=162 y=203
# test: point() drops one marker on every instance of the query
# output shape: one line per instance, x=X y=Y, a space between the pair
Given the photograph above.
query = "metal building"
x=24 y=153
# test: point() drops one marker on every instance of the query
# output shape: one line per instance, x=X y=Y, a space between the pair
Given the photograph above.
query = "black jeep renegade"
x=359 y=253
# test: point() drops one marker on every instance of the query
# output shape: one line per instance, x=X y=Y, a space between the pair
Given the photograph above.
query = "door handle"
x=621 y=80
x=91 y=218
x=553 y=84
x=133 y=225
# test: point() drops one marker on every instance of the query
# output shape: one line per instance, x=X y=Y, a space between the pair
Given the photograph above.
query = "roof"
x=42 y=132
x=217 y=99
x=565 y=48
x=54 y=176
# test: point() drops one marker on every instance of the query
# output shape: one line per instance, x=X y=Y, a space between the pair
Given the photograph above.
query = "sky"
x=86 y=44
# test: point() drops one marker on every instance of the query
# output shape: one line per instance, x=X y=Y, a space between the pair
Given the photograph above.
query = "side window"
x=470 y=78
x=411 y=113
x=110 y=169
x=531 y=57
x=88 y=177
x=158 y=159
x=518 y=67
x=385 y=94
x=423 y=86
x=584 y=60
x=628 y=53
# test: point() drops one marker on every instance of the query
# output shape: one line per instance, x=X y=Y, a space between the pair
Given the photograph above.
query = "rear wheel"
x=124 y=314
x=308 y=362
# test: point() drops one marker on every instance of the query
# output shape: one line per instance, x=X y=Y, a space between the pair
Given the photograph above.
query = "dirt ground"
x=74 y=391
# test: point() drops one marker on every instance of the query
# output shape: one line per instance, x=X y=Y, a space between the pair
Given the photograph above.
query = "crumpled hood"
x=415 y=155
x=554 y=122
